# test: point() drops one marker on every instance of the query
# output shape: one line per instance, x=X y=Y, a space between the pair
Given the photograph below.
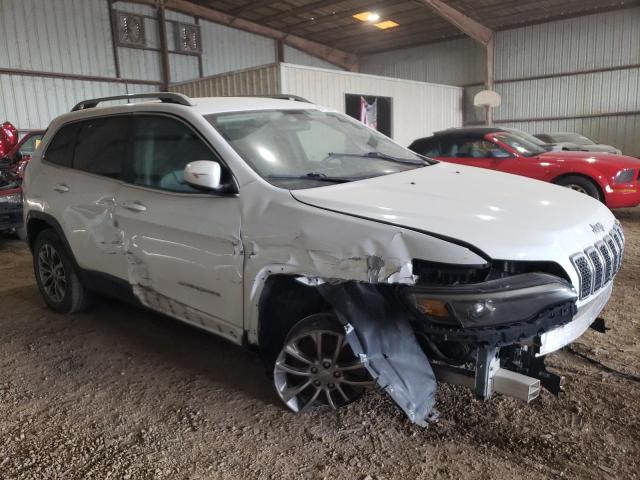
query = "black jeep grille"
x=597 y=265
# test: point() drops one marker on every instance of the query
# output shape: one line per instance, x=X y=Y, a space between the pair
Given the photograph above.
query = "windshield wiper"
x=381 y=156
x=320 y=177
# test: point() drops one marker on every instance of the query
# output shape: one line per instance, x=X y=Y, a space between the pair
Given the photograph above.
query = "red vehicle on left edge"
x=14 y=155
x=612 y=179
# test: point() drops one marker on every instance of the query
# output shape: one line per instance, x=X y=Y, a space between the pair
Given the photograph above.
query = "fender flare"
x=55 y=225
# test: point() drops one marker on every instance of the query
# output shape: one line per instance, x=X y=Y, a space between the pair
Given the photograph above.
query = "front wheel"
x=56 y=275
x=580 y=184
x=316 y=366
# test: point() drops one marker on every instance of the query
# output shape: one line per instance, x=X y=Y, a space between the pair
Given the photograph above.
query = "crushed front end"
x=487 y=327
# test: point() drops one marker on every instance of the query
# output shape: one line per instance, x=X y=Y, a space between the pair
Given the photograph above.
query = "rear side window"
x=102 y=146
x=60 y=150
x=162 y=147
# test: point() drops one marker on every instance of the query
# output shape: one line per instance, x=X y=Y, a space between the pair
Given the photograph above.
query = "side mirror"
x=499 y=153
x=203 y=174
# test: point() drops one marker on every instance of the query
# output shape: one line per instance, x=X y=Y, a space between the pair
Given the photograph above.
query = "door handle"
x=61 y=187
x=134 y=206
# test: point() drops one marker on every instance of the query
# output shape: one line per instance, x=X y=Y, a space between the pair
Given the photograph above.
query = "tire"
x=316 y=367
x=56 y=275
x=580 y=184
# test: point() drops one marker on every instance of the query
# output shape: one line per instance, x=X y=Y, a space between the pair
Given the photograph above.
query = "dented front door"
x=183 y=246
x=185 y=256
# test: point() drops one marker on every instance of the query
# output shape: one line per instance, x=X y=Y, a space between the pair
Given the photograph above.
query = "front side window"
x=307 y=148
x=470 y=149
x=60 y=150
x=162 y=147
x=101 y=146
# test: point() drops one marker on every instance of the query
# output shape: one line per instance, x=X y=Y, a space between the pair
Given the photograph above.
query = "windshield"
x=520 y=144
x=571 y=138
x=308 y=148
x=30 y=144
x=527 y=136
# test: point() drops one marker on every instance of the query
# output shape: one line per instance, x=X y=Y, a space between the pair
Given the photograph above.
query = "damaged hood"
x=506 y=216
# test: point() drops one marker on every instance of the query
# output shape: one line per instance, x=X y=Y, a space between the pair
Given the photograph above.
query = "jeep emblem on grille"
x=597 y=227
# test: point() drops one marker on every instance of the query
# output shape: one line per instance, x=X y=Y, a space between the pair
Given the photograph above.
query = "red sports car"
x=612 y=179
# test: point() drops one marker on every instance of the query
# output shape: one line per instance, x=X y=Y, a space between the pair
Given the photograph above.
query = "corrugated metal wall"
x=136 y=63
x=30 y=103
x=253 y=81
x=293 y=55
x=418 y=108
x=68 y=37
x=591 y=66
x=457 y=62
x=228 y=49
x=65 y=36
x=181 y=67
x=584 y=43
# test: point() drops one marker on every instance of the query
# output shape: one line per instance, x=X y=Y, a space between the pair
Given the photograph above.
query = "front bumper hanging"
x=383 y=327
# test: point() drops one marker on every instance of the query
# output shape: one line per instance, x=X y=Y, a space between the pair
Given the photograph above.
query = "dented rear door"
x=183 y=246
x=84 y=170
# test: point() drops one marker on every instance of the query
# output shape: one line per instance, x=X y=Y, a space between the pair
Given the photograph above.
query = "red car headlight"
x=625 y=176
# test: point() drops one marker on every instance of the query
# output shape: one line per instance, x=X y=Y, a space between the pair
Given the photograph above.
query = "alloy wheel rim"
x=319 y=367
x=53 y=277
x=577 y=188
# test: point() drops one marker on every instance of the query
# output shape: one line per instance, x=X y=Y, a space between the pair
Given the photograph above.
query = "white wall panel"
x=455 y=62
x=63 y=36
x=298 y=57
x=418 y=108
x=227 y=49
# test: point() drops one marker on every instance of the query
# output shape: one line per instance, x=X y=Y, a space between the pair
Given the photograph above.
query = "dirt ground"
x=122 y=393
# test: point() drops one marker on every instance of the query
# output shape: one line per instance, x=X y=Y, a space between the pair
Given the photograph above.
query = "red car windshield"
x=519 y=144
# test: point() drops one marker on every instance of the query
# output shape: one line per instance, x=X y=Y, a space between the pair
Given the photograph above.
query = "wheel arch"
x=37 y=222
x=284 y=301
x=590 y=178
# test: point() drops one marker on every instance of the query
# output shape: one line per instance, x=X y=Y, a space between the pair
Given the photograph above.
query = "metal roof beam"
x=469 y=26
x=480 y=33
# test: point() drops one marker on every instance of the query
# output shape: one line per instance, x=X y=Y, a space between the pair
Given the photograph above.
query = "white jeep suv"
x=343 y=258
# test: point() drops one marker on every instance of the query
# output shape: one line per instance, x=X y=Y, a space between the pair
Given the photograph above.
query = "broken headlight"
x=519 y=298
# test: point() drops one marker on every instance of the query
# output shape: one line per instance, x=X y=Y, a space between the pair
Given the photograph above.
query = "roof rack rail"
x=165 y=97
x=280 y=96
x=285 y=96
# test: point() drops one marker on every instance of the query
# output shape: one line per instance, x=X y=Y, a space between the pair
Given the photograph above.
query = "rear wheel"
x=316 y=366
x=56 y=275
x=580 y=184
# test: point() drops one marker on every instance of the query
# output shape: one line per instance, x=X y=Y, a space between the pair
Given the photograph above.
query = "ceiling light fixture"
x=386 y=24
x=367 y=16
